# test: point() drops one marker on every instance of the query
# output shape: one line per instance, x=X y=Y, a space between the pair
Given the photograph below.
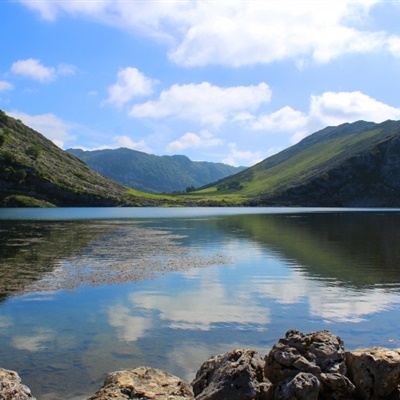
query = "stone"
x=314 y=352
x=335 y=386
x=375 y=372
x=304 y=386
x=11 y=387
x=143 y=383
x=236 y=375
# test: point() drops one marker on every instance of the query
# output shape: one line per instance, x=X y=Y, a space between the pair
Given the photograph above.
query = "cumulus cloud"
x=130 y=83
x=335 y=108
x=238 y=32
x=34 y=69
x=242 y=157
x=49 y=125
x=191 y=141
x=5 y=86
x=126 y=141
x=204 y=103
x=326 y=109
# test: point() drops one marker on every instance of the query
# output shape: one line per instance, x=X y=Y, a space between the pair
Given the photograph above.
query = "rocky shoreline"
x=300 y=366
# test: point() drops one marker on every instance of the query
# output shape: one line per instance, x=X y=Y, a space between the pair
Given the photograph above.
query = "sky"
x=224 y=81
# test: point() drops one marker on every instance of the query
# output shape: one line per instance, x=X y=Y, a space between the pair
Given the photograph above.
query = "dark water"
x=84 y=292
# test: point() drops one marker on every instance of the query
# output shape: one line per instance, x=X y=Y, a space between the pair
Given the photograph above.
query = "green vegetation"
x=35 y=172
x=151 y=173
x=334 y=167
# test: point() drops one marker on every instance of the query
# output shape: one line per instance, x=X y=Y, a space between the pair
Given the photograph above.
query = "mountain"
x=353 y=164
x=151 y=173
x=35 y=172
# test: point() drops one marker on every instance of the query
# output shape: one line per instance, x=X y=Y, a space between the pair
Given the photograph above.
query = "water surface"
x=87 y=291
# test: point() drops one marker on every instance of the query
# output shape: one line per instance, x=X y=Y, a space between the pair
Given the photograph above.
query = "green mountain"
x=151 y=173
x=35 y=172
x=355 y=164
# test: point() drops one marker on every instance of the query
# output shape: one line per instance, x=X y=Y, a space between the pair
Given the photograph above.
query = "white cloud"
x=240 y=157
x=285 y=119
x=130 y=83
x=327 y=109
x=48 y=125
x=191 y=141
x=239 y=32
x=5 y=86
x=333 y=108
x=126 y=141
x=204 y=103
x=34 y=69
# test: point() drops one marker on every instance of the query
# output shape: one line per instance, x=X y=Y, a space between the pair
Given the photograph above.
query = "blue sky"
x=226 y=81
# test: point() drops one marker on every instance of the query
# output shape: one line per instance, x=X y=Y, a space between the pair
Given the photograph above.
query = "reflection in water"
x=266 y=273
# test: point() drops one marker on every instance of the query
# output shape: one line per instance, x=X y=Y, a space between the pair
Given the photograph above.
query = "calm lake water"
x=84 y=292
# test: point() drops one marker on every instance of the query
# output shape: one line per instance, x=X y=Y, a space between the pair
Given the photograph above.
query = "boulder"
x=320 y=354
x=375 y=371
x=304 y=386
x=236 y=375
x=314 y=352
x=11 y=387
x=143 y=383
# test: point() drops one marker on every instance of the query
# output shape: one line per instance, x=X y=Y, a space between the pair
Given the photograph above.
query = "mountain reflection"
x=358 y=249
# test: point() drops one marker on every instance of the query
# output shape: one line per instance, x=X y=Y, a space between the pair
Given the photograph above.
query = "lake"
x=84 y=292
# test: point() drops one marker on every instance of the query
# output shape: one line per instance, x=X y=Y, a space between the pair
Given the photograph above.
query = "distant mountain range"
x=151 y=173
x=350 y=165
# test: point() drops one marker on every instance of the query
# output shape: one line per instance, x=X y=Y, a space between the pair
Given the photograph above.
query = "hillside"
x=151 y=173
x=355 y=164
x=35 y=172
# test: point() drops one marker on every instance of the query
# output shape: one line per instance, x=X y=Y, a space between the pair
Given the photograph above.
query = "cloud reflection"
x=34 y=343
x=330 y=301
x=129 y=328
x=202 y=308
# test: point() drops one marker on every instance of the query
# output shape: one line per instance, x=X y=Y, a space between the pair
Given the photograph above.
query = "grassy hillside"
x=35 y=172
x=151 y=173
x=352 y=164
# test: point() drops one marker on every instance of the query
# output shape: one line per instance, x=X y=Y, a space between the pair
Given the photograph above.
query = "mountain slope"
x=151 y=173
x=35 y=172
x=354 y=164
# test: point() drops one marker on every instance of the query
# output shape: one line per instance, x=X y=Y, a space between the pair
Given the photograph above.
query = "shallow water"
x=84 y=292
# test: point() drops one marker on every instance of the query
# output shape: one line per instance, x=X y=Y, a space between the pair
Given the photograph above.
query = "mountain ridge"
x=315 y=171
x=152 y=173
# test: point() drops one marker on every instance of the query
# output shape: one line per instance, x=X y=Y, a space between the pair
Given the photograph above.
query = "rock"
x=335 y=386
x=11 y=387
x=304 y=386
x=236 y=375
x=143 y=383
x=314 y=352
x=375 y=371
x=291 y=361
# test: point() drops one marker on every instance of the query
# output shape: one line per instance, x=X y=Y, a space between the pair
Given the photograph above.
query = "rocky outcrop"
x=375 y=372
x=11 y=387
x=311 y=366
x=236 y=375
x=143 y=383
